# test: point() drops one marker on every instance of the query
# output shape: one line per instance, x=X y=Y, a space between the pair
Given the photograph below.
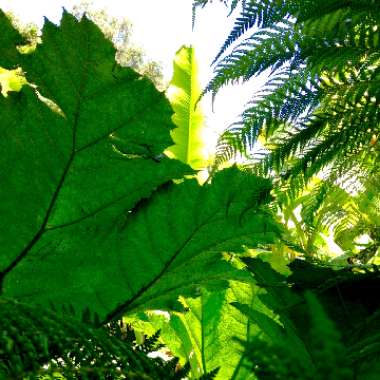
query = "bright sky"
x=161 y=27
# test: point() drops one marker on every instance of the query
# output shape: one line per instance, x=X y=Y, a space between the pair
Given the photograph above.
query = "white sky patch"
x=161 y=28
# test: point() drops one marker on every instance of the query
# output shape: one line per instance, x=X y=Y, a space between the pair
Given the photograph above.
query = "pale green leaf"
x=183 y=93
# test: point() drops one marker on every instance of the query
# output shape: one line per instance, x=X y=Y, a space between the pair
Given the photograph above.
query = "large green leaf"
x=68 y=178
x=59 y=171
x=183 y=93
x=79 y=224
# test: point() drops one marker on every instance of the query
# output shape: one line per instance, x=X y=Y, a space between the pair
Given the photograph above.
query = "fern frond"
x=254 y=55
x=253 y=14
x=34 y=342
x=323 y=88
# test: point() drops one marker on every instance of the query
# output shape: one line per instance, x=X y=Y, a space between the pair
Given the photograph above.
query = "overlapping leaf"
x=167 y=247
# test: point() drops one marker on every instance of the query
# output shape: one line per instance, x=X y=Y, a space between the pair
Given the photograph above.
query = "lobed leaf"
x=81 y=159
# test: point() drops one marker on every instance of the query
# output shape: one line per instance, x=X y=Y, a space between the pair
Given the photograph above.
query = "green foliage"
x=97 y=222
x=29 y=32
x=88 y=221
x=324 y=211
x=313 y=215
x=322 y=344
x=362 y=220
x=274 y=360
x=332 y=338
x=66 y=170
x=84 y=181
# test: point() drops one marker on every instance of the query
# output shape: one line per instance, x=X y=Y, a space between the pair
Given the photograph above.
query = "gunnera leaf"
x=80 y=225
x=79 y=172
